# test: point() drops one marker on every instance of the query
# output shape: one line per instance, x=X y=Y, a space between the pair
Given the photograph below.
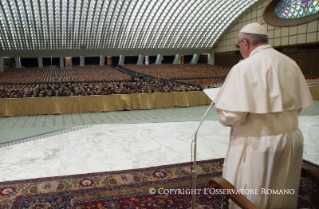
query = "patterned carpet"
x=124 y=189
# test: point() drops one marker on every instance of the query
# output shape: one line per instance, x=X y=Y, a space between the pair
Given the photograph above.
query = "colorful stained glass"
x=296 y=9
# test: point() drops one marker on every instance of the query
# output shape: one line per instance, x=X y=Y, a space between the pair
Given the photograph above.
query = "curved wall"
x=278 y=36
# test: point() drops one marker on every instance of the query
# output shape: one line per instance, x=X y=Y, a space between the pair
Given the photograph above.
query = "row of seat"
x=92 y=73
x=107 y=73
x=69 y=74
x=29 y=75
x=171 y=71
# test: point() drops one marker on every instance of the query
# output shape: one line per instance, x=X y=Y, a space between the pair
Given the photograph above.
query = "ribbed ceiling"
x=115 y=24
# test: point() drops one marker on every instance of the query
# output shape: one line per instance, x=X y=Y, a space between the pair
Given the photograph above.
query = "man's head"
x=250 y=37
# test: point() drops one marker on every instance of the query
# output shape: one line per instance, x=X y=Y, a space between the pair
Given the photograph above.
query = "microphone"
x=212 y=94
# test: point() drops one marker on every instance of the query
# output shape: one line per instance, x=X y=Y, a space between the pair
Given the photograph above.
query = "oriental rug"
x=155 y=187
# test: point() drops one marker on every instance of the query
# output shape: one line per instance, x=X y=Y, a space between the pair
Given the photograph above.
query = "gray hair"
x=254 y=39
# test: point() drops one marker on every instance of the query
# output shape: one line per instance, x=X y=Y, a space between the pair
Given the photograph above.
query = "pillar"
x=121 y=61
x=40 y=62
x=140 y=59
x=159 y=59
x=102 y=60
x=81 y=60
x=109 y=60
x=195 y=59
x=18 y=62
x=61 y=62
x=177 y=59
x=211 y=58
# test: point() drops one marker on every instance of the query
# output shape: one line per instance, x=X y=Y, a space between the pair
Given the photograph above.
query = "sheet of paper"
x=212 y=93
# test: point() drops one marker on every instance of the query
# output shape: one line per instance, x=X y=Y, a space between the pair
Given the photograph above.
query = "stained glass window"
x=297 y=8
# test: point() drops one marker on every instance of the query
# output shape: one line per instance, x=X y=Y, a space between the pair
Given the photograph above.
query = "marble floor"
x=111 y=147
x=16 y=128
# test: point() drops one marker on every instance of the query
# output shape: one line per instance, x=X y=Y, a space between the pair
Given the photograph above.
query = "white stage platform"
x=112 y=147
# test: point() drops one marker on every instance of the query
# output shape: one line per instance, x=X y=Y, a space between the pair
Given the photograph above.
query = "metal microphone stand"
x=194 y=171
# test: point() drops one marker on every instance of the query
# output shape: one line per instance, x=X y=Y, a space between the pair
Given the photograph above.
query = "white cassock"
x=260 y=100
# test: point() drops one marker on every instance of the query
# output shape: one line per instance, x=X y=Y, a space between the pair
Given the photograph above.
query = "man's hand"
x=218 y=110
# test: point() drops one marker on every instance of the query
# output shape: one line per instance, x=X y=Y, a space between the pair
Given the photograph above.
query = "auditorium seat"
x=92 y=73
x=29 y=75
x=202 y=74
x=172 y=71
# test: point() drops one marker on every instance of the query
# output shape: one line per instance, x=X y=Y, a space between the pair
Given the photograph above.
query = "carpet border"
x=103 y=172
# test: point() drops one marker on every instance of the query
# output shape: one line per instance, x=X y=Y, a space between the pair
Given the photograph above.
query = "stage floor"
x=111 y=147
x=54 y=145
x=19 y=127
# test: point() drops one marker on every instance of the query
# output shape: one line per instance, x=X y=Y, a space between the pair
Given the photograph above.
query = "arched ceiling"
x=115 y=24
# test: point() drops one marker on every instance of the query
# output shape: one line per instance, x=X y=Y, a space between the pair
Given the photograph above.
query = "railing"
x=137 y=74
x=132 y=73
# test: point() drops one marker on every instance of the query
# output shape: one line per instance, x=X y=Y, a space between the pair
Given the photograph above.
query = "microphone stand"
x=194 y=171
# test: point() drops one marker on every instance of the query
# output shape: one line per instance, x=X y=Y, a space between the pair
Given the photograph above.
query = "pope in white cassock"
x=260 y=100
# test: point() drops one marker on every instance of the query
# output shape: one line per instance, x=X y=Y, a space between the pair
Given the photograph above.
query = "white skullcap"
x=254 y=28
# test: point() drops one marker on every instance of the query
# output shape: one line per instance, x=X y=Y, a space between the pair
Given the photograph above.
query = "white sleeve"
x=227 y=118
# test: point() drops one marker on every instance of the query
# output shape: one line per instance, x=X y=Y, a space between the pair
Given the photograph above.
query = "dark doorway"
x=75 y=61
x=29 y=62
x=188 y=59
x=130 y=59
x=152 y=59
x=91 y=60
x=55 y=61
x=115 y=61
x=202 y=59
x=46 y=61
x=168 y=59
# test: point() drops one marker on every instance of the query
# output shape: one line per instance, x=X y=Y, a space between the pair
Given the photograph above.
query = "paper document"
x=212 y=93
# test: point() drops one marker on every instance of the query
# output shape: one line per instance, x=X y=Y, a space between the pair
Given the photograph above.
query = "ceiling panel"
x=115 y=24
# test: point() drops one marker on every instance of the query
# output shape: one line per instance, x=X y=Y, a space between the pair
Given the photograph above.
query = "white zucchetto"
x=254 y=28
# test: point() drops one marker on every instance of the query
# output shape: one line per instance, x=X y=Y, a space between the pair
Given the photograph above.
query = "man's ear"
x=246 y=44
